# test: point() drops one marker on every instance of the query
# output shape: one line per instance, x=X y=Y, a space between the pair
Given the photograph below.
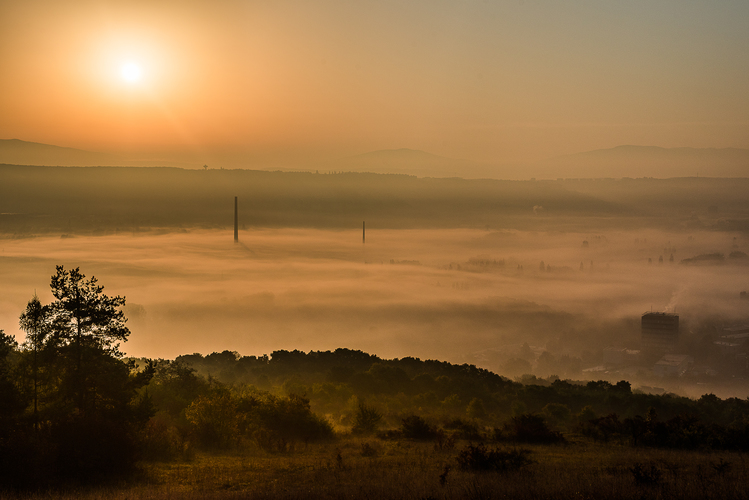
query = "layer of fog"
x=444 y=294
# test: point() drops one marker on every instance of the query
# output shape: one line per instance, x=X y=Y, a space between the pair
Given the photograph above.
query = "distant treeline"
x=428 y=399
x=443 y=390
x=107 y=199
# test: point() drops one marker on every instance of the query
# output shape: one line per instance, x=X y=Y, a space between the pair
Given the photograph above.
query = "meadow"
x=354 y=467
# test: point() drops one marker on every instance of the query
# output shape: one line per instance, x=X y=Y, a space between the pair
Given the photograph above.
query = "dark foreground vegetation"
x=353 y=467
x=80 y=420
x=102 y=200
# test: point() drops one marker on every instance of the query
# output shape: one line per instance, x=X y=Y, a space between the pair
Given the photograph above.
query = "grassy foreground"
x=371 y=468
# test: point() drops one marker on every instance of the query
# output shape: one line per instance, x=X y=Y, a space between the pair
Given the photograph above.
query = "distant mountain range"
x=411 y=162
x=621 y=161
x=647 y=161
x=17 y=152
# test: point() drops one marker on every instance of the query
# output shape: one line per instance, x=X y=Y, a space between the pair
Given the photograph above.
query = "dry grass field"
x=371 y=468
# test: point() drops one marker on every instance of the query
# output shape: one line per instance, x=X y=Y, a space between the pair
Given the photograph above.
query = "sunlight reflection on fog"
x=317 y=290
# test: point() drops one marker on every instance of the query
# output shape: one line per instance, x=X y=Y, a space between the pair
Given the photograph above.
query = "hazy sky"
x=484 y=80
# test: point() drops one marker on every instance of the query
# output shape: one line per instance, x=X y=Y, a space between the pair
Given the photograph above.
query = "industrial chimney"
x=236 y=222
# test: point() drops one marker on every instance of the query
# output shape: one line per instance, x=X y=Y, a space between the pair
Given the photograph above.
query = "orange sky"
x=484 y=80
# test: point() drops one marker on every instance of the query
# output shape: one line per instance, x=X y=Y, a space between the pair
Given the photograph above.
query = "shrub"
x=367 y=450
x=603 y=428
x=463 y=430
x=479 y=458
x=366 y=420
x=444 y=442
x=390 y=434
x=93 y=448
x=415 y=427
x=531 y=428
x=557 y=414
x=649 y=475
x=279 y=422
x=214 y=419
x=162 y=439
x=476 y=409
x=274 y=423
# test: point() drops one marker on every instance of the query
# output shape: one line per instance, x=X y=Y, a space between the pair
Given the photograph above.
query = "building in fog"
x=734 y=343
x=660 y=332
x=620 y=356
x=673 y=365
x=739 y=332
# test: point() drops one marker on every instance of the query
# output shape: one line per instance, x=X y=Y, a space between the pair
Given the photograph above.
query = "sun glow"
x=131 y=72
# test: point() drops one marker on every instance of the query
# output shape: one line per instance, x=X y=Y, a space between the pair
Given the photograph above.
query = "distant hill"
x=618 y=162
x=17 y=152
x=390 y=161
x=402 y=154
x=37 y=199
x=647 y=161
x=410 y=162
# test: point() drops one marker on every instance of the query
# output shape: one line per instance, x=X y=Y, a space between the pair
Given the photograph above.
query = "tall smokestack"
x=236 y=222
x=363 y=231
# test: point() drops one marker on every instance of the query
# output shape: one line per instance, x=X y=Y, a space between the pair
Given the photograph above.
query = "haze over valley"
x=451 y=269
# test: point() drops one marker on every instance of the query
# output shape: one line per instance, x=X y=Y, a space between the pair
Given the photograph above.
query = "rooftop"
x=674 y=359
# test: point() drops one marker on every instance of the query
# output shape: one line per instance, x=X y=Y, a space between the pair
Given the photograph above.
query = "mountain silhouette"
x=18 y=152
x=617 y=162
x=410 y=162
x=647 y=161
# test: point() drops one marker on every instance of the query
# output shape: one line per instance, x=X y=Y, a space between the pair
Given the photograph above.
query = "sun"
x=131 y=72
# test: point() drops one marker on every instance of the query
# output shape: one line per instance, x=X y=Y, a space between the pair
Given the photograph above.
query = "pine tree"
x=87 y=327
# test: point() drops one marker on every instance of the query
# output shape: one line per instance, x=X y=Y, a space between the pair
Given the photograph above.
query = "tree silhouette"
x=87 y=327
x=366 y=419
x=12 y=402
x=35 y=322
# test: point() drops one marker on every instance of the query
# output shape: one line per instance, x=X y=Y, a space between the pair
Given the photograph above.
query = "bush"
x=280 y=422
x=93 y=448
x=557 y=414
x=162 y=439
x=647 y=475
x=367 y=450
x=415 y=427
x=26 y=462
x=463 y=430
x=479 y=458
x=390 y=434
x=531 y=428
x=366 y=420
x=476 y=409
x=215 y=420
x=222 y=419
